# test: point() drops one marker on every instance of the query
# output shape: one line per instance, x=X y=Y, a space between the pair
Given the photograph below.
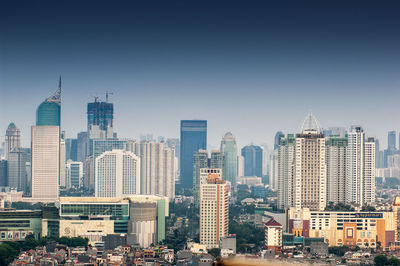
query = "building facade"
x=336 y=148
x=74 y=174
x=230 y=150
x=16 y=170
x=253 y=160
x=214 y=210
x=12 y=140
x=273 y=235
x=100 y=116
x=200 y=161
x=193 y=139
x=117 y=173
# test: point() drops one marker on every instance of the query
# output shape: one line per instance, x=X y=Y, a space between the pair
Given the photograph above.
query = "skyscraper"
x=71 y=149
x=309 y=173
x=117 y=174
x=62 y=182
x=284 y=171
x=336 y=148
x=360 y=187
x=200 y=161
x=16 y=169
x=3 y=173
x=81 y=146
x=217 y=159
x=253 y=160
x=46 y=149
x=13 y=139
x=229 y=150
x=100 y=117
x=193 y=139
x=278 y=136
x=392 y=140
x=214 y=210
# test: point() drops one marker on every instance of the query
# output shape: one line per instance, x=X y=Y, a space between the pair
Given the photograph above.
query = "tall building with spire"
x=13 y=139
x=45 y=148
x=309 y=184
x=230 y=150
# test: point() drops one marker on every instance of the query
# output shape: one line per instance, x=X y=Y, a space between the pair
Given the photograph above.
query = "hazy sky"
x=249 y=67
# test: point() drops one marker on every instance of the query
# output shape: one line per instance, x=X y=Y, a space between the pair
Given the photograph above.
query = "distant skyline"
x=248 y=67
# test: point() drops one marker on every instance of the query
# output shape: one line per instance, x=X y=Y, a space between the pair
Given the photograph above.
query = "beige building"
x=273 y=235
x=348 y=228
x=309 y=184
x=45 y=162
x=214 y=210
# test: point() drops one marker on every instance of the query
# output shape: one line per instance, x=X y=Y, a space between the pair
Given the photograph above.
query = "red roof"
x=272 y=222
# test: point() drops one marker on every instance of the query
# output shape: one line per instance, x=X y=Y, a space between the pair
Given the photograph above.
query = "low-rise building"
x=273 y=235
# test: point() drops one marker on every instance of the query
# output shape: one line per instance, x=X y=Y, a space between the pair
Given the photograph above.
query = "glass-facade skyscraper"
x=229 y=149
x=253 y=160
x=100 y=116
x=193 y=139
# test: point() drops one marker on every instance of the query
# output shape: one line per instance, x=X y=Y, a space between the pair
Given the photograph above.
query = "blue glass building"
x=49 y=112
x=253 y=160
x=193 y=139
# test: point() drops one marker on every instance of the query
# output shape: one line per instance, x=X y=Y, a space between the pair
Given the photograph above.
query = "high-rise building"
x=240 y=165
x=13 y=139
x=117 y=173
x=392 y=140
x=273 y=170
x=230 y=150
x=217 y=159
x=310 y=167
x=214 y=210
x=16 y=169
x=200 y=161
x=3 y=173
x=336 y=148
x=193 y=139
x=284 y=171
x=73 y=174
x=277 y=137
x=100 y=117
x=273 y=235
x=360 y=165
x=46 y=149
x=62 y=182
x=82 y=146
x=335 y=131
x=253 y=160
x=71 y=149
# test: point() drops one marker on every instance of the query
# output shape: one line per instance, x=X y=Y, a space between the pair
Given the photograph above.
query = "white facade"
x=273 y=235
x=310 y=170
x=285 y=158
x=336 y=169
x=45 y=162
x=214 y=211
x=62 y=162
x=74 y=174
x=117 y=173
x=273 y=170
x=360 y=171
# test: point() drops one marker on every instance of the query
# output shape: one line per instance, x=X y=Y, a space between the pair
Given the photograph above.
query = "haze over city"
x=249 y=68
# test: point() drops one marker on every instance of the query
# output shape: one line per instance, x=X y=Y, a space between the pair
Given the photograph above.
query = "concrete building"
x=117 y=173
x=12 y=140
x=3 y=173
x=253 y=160
x=285 y=167
x=100 y=117
x=15 y=225
x=360 y=185
x=200 y=161
x=214 y=211
x=16 y=169
x=273 y=235
x=310 y=167
x=62 y=159
x=273 y=170
x=336 y=148
x=347 y=228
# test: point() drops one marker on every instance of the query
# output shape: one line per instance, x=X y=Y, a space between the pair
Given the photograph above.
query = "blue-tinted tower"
x=49 y=112
x=253 y=160
x=193 y=139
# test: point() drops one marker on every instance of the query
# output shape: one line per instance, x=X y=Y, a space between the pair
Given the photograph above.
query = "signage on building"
x=369 y=215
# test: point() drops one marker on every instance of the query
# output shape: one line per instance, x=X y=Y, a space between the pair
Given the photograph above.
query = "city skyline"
x=221 y=62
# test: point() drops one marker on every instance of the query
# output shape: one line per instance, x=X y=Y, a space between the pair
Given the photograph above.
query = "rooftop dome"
x=11 y=125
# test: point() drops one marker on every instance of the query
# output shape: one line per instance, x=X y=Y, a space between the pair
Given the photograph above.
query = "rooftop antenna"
x=108 y=93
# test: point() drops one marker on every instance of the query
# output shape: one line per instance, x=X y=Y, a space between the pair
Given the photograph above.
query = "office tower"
x=336 y=169
x=46 y=149
x=284 y=169
x=240 y=165
x=200 y=160
x=310 y=167
x=3 y=173
x=13 y=139
x=273 y=170
x=193 y=139
x=394 y=161
x=71 y=149
x=117 y=173
x=73 y=174
x=16 y=169
x=392 y=140
x=217 y=159
x=230 y=150
x=88 y=176
x=360 y=170
x=214 y=210
x=147 y=166
x=253 y=160
x=378 y=163
x=277 y=137
x=100 y=117
x=62 y=159
x=81 y=146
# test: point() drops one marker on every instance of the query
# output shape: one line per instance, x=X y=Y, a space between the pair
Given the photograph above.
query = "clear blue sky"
x=249 y=67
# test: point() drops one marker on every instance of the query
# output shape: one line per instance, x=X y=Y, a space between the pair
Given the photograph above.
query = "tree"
x=380 y=260
x=215 y=252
